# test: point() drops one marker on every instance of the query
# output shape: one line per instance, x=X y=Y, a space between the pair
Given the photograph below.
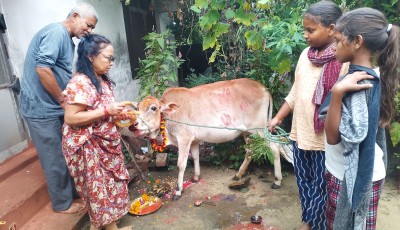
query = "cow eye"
x=154 y=108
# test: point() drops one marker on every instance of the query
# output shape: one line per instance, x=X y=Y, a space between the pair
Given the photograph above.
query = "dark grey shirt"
x=51 y=47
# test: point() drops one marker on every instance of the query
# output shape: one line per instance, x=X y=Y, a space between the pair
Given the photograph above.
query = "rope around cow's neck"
x=281 y=137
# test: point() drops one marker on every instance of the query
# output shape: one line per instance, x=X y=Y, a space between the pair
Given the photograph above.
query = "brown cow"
x=214 y=113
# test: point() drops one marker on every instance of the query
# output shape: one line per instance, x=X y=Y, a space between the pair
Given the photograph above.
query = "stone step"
x=17 y=162
x=46 y=219
x=25 y=202
x=23 y=193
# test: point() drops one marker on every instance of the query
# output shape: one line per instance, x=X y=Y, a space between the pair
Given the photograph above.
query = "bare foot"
x=92 y=227
x=74 y=208
x=304 y=226
x=113 y=226
x=125 y=228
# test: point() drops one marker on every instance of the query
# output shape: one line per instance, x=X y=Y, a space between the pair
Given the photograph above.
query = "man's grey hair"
x=85 y=10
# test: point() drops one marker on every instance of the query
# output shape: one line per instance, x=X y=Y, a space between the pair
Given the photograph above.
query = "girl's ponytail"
x=389 y=66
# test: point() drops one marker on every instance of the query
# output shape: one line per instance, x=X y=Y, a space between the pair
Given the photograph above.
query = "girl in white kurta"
x=316 y=72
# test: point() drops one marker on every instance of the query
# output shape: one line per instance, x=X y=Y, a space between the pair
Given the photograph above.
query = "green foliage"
x=236 y=160
x=184 y=24
x=260 y=23
x=194 y=79
x=389 y=7
x=230 y=151
x=260 y=40
x=157 y=71
x=395 y=133
x=395 y=128
x=260 y=151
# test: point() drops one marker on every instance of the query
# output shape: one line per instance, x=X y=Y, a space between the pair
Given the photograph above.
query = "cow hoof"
x=176 y=197
x=235 y=178
x=275 y=186
x=240 y=184
x=194 y=180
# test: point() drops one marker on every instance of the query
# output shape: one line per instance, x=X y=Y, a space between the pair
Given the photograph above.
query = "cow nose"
x=133 y=128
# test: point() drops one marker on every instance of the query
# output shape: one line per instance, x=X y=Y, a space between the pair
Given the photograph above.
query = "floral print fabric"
x=94 y=155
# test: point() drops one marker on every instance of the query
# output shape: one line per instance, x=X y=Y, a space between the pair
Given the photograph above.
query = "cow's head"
x=148 y=122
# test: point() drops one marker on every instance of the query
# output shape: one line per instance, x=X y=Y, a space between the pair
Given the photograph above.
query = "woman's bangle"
x=106 y=114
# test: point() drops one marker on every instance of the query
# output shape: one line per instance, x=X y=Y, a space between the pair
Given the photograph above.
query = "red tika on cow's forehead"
x=147 y=101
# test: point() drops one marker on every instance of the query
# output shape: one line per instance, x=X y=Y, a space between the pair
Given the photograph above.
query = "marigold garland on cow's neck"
x=154 y=144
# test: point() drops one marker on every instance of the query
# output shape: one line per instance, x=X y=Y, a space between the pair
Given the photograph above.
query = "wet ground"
x=228 y=209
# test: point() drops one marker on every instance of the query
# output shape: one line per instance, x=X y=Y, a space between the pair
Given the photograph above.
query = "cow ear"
x=169 y=108
x=135 y=105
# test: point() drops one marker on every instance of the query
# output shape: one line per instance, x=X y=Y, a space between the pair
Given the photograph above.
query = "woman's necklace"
x=154 y=144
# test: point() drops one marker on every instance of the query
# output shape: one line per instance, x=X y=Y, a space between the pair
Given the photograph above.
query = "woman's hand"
x=114 y=108
x=124 y=115
x=350 y=83
x=125 y=118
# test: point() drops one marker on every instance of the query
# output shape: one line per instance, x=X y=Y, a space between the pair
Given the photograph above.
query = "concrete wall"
x=25 y=17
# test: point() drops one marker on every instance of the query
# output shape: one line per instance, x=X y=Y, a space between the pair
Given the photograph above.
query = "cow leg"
x=276 y=148
x=244 y=166
x=194 y=149
x=246 y=162
x=183 y=155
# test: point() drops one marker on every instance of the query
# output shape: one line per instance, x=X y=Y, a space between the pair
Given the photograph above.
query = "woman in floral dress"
x=91 y=141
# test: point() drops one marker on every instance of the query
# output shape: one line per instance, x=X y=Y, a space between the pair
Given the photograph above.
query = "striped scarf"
x=329 y=75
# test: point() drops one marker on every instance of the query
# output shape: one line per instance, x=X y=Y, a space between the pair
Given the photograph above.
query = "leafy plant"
x=194 y=79
x=157 y=71
x=257 y=39
x=265 y=25
x=260 y=151
x=389 y=7
x=236 y=160
x=395 y=128
x=395 y=133
x=230 y=151
x=184 y=24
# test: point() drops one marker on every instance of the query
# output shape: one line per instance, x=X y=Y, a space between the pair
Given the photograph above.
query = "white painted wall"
x=25 y=17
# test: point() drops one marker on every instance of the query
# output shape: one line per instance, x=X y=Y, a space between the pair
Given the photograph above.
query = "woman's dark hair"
x=324 y=12
x=91 y=46
x=382 y=40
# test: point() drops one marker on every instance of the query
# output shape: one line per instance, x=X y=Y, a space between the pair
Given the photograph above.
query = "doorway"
x=139 y=21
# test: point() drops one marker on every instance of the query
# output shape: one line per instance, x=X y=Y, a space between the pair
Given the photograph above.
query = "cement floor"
x=230 y=209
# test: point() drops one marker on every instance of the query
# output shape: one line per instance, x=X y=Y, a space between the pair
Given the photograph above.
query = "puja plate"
x=150 y=206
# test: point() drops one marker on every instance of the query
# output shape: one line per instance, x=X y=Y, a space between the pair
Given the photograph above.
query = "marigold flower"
x=145 y=197
x=154 y=144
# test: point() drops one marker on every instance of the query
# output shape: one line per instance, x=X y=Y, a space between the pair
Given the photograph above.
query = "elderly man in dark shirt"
x=47 y=70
